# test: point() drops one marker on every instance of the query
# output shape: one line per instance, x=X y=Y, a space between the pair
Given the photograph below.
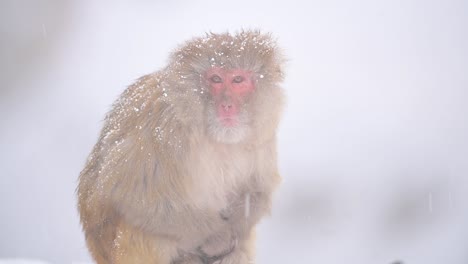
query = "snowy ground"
x=373 y=145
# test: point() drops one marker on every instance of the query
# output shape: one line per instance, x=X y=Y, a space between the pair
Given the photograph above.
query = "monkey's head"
x=231 y=83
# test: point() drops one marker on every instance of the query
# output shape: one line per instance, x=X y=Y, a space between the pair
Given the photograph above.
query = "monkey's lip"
x=229 y=121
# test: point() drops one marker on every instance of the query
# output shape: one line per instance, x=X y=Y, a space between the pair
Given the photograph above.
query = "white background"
x=373 y=143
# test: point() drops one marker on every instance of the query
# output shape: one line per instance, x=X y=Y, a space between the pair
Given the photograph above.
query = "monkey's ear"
x=279 y=63
x=280 y=73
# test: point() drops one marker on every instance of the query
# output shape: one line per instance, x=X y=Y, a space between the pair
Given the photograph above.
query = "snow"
x=373 y=144
x=21 y=261
x=31 y=261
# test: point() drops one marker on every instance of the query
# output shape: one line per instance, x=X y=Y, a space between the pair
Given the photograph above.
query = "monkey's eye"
x=216 y=79
x=238 y=79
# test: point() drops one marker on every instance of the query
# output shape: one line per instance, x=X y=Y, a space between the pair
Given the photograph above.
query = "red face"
x=229 y=88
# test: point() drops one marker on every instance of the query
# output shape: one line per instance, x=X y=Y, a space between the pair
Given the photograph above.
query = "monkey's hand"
x=236 y=257
x=188 y=259
x=245 y=212
x=217 y=247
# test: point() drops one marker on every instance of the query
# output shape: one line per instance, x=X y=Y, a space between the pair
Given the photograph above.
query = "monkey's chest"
x=220 y=178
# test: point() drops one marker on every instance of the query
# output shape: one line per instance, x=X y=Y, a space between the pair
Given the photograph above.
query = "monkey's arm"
x=236 y=242
x=132 y=245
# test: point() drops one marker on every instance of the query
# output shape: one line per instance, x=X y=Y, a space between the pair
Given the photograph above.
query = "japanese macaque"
x=186 y=163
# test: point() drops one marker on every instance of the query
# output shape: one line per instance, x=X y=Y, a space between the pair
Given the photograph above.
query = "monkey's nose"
x=226 y=106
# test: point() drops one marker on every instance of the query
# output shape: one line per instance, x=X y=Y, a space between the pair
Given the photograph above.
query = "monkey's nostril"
x=226 y=106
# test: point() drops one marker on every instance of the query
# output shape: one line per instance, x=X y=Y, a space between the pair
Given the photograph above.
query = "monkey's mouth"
x=229 y=121
x=228 y=128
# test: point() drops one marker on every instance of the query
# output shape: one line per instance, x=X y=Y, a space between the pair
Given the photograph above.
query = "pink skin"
x=229 y=88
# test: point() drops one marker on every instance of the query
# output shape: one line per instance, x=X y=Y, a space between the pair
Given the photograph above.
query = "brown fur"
x=157 y=189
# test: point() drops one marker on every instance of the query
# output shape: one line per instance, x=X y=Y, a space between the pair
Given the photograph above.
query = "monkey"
x=186 y=163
